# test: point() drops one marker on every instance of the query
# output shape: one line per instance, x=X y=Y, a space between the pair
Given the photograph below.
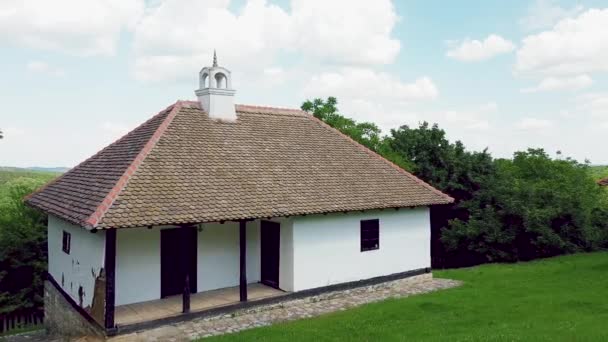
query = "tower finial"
x=214 y=58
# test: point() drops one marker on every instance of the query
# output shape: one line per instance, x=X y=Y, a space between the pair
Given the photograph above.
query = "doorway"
x=270 y=239
x=177 y=259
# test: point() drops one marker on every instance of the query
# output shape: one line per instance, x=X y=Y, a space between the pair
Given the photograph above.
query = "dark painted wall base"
x=126 y=329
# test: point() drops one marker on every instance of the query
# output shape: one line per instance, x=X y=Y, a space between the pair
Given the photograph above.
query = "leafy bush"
x=23 y=251
x=534 y=207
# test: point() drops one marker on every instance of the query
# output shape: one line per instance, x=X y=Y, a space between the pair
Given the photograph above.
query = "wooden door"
x=177 y=259
x=270 y=239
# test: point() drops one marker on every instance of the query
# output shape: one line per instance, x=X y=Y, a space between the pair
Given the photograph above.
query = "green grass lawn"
x=563 y=299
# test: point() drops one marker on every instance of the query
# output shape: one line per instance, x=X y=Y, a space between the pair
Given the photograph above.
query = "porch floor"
x=172 y=306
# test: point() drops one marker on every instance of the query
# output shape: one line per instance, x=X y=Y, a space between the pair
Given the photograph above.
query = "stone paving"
x=290 y=310
x=281 y=312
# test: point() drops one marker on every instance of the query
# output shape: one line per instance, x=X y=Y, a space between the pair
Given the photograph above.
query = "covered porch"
x=173 y=306
x=158 y=273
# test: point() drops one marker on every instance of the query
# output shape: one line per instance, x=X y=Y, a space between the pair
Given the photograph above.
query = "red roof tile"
x=183 y=167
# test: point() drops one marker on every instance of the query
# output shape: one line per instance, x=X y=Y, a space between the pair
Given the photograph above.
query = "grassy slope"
x=564 y=298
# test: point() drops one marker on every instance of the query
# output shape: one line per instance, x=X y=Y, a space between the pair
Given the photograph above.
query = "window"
x=370 y=235
x=67 y=239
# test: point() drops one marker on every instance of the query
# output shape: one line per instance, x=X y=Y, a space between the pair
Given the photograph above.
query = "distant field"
x=599 y=171
x=558 y=299
x=6 y=174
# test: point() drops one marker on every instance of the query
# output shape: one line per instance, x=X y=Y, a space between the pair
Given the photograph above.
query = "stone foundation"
x=61 y=318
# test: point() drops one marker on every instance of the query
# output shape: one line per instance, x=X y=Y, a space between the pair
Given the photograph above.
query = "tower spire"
x=214 y=59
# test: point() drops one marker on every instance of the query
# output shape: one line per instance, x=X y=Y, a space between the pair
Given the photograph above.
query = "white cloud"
x=568 y=83
x=369 y=95
x=115 y=128
x=489 y=107
x=382 y=98
x=573 y=46
x=595 y=105
x=370 y=84
x=274 y=76
x=478 y=50
x=356 y=32
x=477 y=118
x=12 y=132
x=74 y=26
x=468 y=120
x=110 y=131
x=594 y=101
x=44 y=68
x=534 y=124
x=545 y=13
x=177 y=37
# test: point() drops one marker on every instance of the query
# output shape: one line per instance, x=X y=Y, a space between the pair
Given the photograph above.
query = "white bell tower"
x=215 y=92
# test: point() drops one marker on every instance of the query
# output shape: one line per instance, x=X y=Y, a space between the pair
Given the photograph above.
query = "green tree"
x=535 y=207
x=365 y=133
x=23 y=251
x=445 y=165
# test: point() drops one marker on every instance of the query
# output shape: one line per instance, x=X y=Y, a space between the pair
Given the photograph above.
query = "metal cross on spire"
x=214 y=58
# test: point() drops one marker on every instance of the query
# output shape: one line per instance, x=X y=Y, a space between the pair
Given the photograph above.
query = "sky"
x=76 y=75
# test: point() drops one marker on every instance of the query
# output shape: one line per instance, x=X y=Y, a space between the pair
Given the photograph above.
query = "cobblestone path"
x=290 y=310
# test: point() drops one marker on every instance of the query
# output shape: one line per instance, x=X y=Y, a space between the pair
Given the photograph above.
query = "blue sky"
x=76 y=75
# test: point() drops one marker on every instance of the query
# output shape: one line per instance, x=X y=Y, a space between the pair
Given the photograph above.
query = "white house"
x=208 y=204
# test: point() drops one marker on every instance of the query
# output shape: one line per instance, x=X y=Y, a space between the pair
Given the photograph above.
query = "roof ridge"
x=252 y=109
x=111 y=196
x=270 y=107
x=376 y=155
x=266 y=109
x=189 y=102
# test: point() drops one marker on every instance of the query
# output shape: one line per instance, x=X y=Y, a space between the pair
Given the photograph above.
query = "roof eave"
x=256 y=217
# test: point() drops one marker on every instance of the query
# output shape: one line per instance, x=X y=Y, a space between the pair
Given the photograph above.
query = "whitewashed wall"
x=315 y=251
x=286 y=256
x=327 y=248
x=219 y=255
x=137 y=265
x=82 y=265
x=138 y=260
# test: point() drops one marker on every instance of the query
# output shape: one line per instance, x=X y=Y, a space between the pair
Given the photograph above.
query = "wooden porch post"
x=110 y=269
x=186 y=295
x=243 y=254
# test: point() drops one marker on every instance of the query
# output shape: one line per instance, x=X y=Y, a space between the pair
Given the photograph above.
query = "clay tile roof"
x=182 y=167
